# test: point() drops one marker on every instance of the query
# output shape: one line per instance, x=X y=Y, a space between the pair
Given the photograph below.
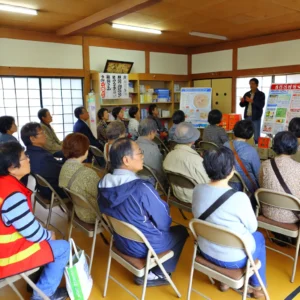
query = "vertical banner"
x=283 y=105
x=92 y=112
x=114 y=86
x=196 y=104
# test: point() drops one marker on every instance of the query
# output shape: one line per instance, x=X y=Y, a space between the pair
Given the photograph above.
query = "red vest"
x=16 y=253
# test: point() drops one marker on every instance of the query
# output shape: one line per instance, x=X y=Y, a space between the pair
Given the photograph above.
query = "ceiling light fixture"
x=134 y=28
x=18 y=9
x=209 y=36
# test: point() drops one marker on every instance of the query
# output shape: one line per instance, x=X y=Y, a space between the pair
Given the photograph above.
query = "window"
x=23 y=97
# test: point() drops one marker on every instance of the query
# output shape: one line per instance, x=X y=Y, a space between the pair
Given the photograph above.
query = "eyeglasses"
x=26 y=157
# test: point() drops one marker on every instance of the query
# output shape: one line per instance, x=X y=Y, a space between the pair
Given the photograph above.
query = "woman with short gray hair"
x=152 y=156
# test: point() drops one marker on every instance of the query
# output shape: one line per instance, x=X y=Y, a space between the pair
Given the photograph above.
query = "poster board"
x=196 y=104
x=283 y=104
x=114 y=86
x=91 y=100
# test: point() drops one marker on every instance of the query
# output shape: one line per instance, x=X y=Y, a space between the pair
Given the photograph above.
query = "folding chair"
x=204 y=146
x=237 y=178
x=181 y=181
x=137 y=266
x=91 y=230
x=56 y=200
x=235 y=278
x=97 y=155
x=161 y=145
x=148 y=172
x=283 y=201
x=10 y=281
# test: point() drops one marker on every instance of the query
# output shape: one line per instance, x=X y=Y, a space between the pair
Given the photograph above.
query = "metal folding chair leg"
x=146 y=276
x=30 y=282
x=295 y=259
x=191 y=274
x=13 y=287
x=183 y=215
x=93 y=245
x=168 y=278
x=107 y=271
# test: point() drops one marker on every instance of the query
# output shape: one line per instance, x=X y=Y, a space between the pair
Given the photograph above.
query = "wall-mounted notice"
x=196 y=104
x=283 y=105
x=114 y=86
x=91 y=99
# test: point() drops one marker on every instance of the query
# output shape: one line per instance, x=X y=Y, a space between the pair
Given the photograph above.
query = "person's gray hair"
x=147 y=126
x=115 y=129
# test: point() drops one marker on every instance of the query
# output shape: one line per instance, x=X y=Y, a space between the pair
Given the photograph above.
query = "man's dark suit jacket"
x=257 y=105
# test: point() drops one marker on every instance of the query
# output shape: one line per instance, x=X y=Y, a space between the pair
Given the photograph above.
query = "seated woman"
x=7 y=128
x=247 y=161
x=178 y=117
x=294 y=127
x=118 y=113
x=285 y=145
x=235 y=214
x=103 y=117
x=77 y=177
x=133 y=126
x=114 y=131
x=23 y=234
x=213 y=133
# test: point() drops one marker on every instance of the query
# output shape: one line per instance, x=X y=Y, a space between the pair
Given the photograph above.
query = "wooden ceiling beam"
x=106 y=15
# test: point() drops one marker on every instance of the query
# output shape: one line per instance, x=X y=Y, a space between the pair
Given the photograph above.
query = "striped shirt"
x=16 y=212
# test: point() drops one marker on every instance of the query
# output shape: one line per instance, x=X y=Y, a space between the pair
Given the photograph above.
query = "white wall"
x=212 y=62
x=269 y=55
x=167 y=63
x=99 y=55
x=21 y=53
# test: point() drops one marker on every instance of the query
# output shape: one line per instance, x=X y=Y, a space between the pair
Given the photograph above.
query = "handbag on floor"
x=78 y=279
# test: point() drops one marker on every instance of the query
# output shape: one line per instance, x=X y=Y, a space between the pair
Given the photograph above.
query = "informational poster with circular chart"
x=196 y=104
x=283 y=105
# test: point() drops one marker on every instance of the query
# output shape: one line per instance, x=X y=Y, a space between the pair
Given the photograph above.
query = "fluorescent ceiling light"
x=209 y=36
x=134 y=28
x=18 y=9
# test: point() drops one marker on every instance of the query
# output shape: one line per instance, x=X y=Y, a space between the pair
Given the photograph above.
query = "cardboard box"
x=224 y=121
x=264 y=142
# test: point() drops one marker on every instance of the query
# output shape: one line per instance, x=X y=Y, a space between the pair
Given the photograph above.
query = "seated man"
x=185 y=160
x=152 y=156
x=27 y=245
x=42 y=162
x=82 y=127
x=53 y=144
x=124 y=196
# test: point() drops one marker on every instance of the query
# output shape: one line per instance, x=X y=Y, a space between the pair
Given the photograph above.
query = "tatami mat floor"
x=278 y=272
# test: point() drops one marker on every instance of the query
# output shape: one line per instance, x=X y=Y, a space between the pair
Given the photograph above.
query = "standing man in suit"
x=254 y=102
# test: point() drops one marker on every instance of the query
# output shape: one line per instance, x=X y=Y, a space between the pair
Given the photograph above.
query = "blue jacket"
x=43 y=163
x=257 y=105
x=125 y=197
x=81 y=127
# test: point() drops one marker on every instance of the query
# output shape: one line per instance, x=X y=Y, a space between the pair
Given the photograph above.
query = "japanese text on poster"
x=282 y=106
x=196 y=104
x=114 y=86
